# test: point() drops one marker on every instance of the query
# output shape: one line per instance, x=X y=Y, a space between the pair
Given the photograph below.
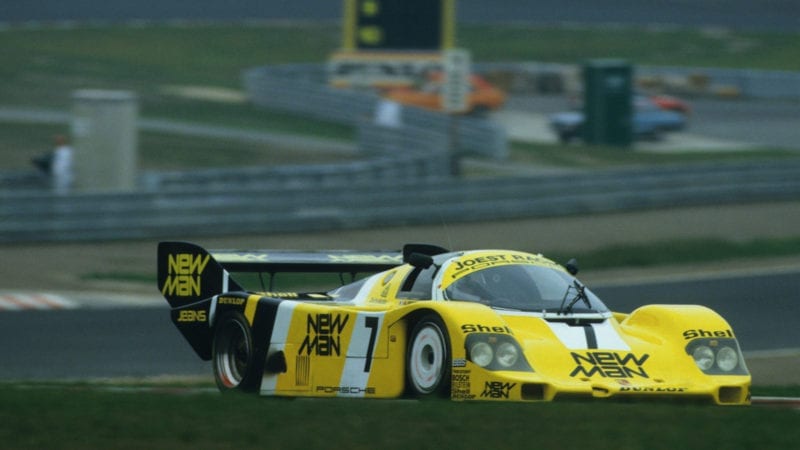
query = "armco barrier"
x=372 y=172
x=232 y=209
x=301 y=88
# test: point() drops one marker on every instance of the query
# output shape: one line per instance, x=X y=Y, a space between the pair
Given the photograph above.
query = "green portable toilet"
x=608 y=103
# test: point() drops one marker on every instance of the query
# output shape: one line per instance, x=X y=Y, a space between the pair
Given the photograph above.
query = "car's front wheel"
x=233 y=354
x=428 y=358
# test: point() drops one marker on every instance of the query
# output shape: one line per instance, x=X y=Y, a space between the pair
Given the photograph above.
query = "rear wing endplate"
x=188 y=273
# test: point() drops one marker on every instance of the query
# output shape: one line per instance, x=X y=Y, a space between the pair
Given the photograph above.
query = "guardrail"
x=411 y=187
x=302 y=88
x=200 y=209
x=388 y=171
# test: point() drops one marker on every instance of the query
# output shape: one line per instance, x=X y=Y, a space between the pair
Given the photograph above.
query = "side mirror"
x=572 y=266
x=420 y=261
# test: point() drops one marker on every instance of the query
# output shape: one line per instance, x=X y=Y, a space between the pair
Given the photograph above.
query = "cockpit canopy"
x=500 y=279
x=523 y=287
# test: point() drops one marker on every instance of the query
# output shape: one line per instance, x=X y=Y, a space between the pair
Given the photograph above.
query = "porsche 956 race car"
x=468 y=325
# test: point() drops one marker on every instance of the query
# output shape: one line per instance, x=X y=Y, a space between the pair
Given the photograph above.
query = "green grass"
x=49 y=63
x=644 y=46
x=246 y=116
x=19 y=142
x=599 y=156
x=66 y=417
x=44 y=66
x=683 y=251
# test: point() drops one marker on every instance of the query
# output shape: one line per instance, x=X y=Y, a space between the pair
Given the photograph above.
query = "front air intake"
x=730 y=394
x=533 y=391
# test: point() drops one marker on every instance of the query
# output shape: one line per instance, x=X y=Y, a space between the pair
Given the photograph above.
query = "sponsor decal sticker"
x=374 y=259
x=323 y=334
x=349 y=390
x=497 y=389
x=460 y=385
x=184 y=274
x=191 y=315
x=482 y=262
x=700 y=333
x=657 y=389
x=230 y=301
x=609 y=365
x=478 y=328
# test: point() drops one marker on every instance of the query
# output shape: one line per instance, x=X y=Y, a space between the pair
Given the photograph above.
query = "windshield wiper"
x=580 y=294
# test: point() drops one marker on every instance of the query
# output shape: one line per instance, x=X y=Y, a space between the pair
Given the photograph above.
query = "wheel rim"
x=427 y=359
x=233 y=354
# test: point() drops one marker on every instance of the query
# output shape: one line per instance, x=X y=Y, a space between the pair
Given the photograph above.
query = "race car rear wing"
x=188 y=273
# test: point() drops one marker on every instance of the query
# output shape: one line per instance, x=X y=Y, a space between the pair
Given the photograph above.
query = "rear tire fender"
x=234 y=355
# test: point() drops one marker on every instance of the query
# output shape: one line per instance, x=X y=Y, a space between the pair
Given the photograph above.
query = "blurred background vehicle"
x=483 y=96
x=671 y=103
x=650 y=119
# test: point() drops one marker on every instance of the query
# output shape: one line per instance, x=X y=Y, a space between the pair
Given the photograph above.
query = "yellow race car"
x=468 y=325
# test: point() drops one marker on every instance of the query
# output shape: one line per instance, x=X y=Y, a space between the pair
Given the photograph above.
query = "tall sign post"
x=389 y=43
x=455 y=95
x=455 y=90
x=392 y=43
x=380 y=25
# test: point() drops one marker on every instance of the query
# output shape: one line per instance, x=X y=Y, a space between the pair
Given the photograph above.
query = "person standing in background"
x=61 y=166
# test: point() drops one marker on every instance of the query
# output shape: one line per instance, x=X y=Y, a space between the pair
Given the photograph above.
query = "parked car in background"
x=483 y=96
x=650 y=121
x=670 y=103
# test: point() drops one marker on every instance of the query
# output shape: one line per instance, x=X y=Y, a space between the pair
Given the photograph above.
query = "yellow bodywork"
x=326 y=347
x=356 y=346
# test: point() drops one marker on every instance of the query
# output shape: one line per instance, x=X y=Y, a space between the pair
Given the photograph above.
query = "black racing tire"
x=233 y=355
x=428 y=359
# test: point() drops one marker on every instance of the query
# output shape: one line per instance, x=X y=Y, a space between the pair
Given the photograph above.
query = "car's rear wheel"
x=428 y=358
x=233 y=354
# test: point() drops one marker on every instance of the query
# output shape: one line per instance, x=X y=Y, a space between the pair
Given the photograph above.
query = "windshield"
x=522 y=287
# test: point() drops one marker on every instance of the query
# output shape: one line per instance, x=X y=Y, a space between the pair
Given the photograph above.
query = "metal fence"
x=303 y=89
x=379 y=171
x=261 y=206
x=404 y=181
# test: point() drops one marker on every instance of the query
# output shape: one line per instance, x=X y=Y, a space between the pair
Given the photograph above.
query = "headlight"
x=495 y=351
x=727 y=359
x=717 y=356
x=481 y=354
x=703 y=357
x=507 y=354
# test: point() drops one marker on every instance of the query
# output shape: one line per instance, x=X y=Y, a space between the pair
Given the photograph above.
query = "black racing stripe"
x=263 y=324
x=591 y=337
x=264 y=321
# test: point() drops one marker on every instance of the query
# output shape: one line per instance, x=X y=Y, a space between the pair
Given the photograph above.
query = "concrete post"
x=105 y=140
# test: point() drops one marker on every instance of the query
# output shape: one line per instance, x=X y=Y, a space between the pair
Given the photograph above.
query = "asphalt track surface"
x=737 y=14
x=713 y=124
x=141 y=342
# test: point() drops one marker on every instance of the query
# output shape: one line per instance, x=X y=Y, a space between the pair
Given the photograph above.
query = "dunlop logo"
x=184 y=274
